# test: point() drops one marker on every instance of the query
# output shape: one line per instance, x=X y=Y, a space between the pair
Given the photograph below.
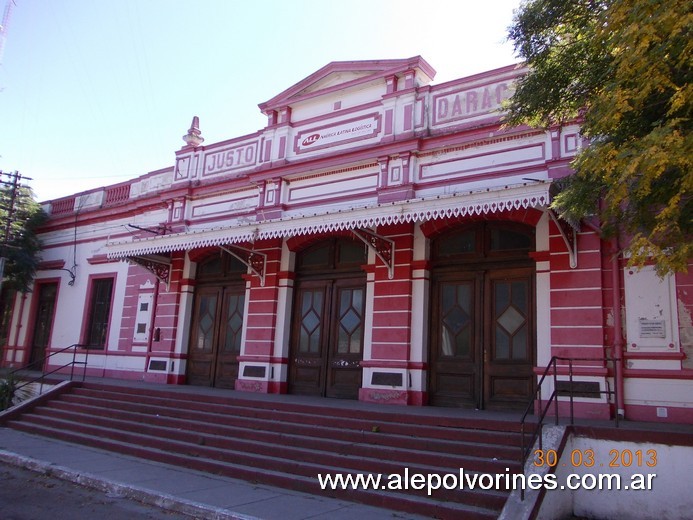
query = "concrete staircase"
x=288 y=442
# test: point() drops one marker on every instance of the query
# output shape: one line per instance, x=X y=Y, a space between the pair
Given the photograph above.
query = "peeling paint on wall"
x=685 y=333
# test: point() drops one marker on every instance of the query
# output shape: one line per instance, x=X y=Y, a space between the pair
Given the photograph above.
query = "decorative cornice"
x=50 y=265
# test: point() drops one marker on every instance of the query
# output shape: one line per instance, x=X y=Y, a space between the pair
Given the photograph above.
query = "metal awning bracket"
x=159 y=266
x=256 y=261
x=568 y=234
x=384 y=248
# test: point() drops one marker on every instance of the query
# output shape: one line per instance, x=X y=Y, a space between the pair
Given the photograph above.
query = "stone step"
x=416 y=504
x=466 y=430
x=357 y=456
x=299 y=434
x=319 y=406
x=289 y=442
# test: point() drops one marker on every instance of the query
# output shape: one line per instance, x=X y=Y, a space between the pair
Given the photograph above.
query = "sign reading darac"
x=347 y=131
x=466 y=103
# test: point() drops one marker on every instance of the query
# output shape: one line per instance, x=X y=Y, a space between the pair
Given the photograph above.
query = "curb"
x=143 y=495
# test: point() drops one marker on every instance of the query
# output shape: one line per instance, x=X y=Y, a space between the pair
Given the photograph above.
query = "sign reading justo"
x=230 y=158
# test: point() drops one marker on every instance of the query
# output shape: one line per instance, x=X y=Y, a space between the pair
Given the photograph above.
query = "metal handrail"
x=538 y=429
x=41 y=362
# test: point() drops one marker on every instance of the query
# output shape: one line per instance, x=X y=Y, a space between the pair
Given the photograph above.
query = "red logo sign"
x=310 y=139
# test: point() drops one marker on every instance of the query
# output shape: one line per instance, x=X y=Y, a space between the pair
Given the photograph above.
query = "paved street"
x=112 y=476
x=28 y=495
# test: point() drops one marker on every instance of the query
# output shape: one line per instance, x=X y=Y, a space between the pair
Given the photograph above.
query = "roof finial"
x=194 y=136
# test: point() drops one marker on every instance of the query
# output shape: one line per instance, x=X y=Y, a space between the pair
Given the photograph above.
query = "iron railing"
x=42 y=362
x=543 y=409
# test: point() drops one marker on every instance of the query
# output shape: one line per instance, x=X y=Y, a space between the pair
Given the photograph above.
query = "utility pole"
x=14 y=181
x=4 y=25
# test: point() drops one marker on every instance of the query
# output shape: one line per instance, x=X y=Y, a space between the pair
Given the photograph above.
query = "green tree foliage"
x=21 y=247
x=623 y=69
x=7 y=391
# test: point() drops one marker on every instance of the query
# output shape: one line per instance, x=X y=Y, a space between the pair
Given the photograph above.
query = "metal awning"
x=473 y=202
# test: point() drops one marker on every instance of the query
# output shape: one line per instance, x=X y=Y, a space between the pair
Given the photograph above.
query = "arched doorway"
x=217 y=323
x=482 y=334
x=328 y=315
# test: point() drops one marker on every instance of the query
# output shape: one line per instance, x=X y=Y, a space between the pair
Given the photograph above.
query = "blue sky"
x=94 y=92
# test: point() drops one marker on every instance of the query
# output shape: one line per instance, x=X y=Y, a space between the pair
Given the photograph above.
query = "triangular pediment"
x=334 y=79
x=347 y=74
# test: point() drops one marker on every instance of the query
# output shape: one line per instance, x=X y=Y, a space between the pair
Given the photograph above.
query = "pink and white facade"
x=381 y=239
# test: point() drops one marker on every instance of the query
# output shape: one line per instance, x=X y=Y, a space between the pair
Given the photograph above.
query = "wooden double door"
x=483 y=326
x=483 y=339
x=215 y=340
x=327 y=338
x=328 y=319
